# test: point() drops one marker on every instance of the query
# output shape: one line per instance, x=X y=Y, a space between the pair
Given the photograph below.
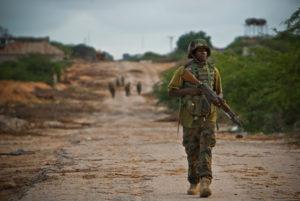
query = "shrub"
x=35 y=68
x=160 y=90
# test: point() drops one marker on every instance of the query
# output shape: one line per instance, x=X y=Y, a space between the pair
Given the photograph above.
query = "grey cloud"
x=119 y=25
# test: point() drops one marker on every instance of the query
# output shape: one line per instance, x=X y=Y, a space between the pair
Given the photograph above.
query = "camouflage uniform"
x=118 y=82
x=122 y=80
x=198 y=118
x=127 y=89
x=139 y=87
x=111 y=89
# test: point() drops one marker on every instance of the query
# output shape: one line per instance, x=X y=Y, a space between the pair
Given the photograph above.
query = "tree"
x=293 y=23
x=85 y=52
x=67 y=49
x=108 y=56
x=292 y=27
x=185 y=39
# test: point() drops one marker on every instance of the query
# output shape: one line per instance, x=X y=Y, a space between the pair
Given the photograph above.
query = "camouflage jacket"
x=196 y=109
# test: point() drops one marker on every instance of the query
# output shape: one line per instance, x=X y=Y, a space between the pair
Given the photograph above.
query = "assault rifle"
x=211 y=96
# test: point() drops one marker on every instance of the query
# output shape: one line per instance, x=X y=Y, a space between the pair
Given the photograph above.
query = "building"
x=12 y=48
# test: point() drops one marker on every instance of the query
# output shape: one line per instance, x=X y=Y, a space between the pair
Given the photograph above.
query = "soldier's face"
x=201 y=54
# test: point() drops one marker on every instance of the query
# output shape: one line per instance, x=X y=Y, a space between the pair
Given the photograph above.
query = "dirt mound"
x=16 y=91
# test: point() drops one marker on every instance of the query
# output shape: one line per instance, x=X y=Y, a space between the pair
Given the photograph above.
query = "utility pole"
x=171 y=42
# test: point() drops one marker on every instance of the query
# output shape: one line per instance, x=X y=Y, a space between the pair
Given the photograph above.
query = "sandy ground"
x=122 y=151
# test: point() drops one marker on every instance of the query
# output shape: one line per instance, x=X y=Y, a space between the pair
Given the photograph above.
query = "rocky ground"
x=77 y=143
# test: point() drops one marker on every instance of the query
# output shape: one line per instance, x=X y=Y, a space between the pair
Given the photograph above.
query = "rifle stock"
x=212 y=96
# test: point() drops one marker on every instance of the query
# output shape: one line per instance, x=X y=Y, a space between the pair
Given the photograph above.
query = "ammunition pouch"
x=197 y=105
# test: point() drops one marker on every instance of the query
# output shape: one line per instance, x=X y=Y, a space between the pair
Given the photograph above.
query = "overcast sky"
x=136 y=26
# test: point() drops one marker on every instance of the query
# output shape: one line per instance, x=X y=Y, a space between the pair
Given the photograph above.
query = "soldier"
x=139 y=87
x=117 y=82
x=197 y=115
x=111 y=89
x=127 y=89
x=122 y=80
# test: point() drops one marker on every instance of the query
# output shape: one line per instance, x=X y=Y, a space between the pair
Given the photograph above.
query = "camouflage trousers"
x=198 y=143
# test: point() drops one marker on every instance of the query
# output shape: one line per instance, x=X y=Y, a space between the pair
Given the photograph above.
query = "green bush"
x=84 y=52
x=185 y=39
x=160 y=90
x=264 y=87
x=35 y=68
x=67 y=49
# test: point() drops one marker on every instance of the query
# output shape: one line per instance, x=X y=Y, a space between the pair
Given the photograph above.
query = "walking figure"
x=139 y=87
x=197 y=115
x=122 y=80
x=111 y=89
x=118 y=82
x=127 y=89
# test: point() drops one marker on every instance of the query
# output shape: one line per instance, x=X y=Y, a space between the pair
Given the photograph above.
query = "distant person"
x=127 y=89
x=118 y=82
x=122 y=81
x=111 y=89
x=197 y=115
x=139 y=87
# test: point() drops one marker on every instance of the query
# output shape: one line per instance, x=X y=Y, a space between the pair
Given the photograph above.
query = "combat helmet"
x=194 y=44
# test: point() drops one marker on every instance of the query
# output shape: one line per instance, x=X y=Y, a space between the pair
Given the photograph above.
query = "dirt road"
x=123 y=151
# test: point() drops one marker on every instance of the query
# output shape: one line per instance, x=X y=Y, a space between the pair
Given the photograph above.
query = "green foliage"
x=185 y=39
x=177 y=55
x=280 y=43
x=152 y=56
x=67 y=49
x=35 y=68
x=240 y=42
x=160 y=90
x=108 y=56
x=129 y=57
x=85 y=52
x=293 y=23
x=81 y=51
x=264 y=87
